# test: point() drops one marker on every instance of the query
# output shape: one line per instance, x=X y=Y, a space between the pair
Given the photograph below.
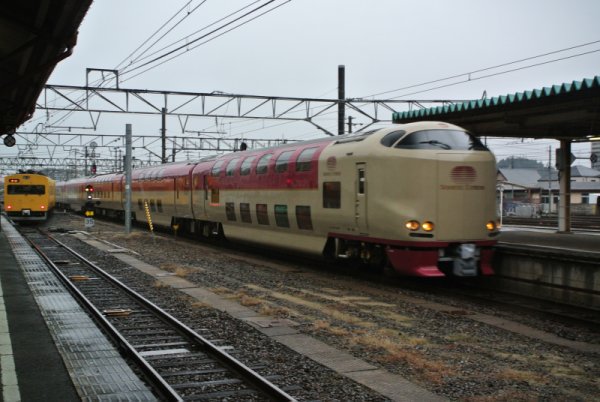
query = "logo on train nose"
x=463 y=174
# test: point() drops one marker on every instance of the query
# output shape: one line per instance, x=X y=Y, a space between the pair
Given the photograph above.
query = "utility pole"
x=341 y=98
x=163 y=134
x=128 y=169
x=549 y=179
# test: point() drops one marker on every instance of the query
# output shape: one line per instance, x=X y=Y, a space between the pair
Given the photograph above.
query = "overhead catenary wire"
x=493 y=68
x=187 y=44
x=185 y=38
x=158 y=30
x=166 y=54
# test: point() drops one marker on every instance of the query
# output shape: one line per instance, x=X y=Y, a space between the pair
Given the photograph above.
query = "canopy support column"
x=564 y=203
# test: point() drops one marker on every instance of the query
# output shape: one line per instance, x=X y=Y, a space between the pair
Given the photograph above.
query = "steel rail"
x=257 y=381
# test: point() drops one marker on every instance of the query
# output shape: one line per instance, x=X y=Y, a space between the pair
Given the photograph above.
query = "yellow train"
x=28 y=196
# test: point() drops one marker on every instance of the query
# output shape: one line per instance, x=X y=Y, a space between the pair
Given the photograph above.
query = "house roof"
x=584 y=171
x=528 y=178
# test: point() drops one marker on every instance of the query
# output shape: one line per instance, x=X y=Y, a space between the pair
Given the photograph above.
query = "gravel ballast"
x=405 y=332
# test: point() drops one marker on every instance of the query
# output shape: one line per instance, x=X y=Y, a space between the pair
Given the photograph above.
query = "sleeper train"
x=419 y=197
x=28 y=196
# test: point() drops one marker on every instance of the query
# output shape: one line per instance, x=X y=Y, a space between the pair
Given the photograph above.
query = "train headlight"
x=428 y=226
x=412 y=225
x=491 y=226
x=42 y=207
x=9 y=206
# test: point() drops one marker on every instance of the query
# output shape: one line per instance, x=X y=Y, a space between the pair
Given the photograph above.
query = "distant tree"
x=520 y=163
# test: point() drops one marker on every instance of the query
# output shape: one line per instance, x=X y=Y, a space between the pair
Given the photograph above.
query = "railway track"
x=471 y=289
x=179 y=363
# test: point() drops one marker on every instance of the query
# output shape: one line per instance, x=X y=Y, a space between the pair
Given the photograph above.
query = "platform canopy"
x=34 y=36
x=569 y=111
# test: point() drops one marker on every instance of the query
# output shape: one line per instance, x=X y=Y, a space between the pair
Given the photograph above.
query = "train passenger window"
x=216 y=169
x=231 y=166
x=214 y=196
x=246 y=165
x=390 y=139
x=281 y=216
x=159 y=205
x=441 y=139
x=262 y=215
x=281 y=164
x=303 y=217
x=245 y=212
x=230 y=211
x=263 y=164
x=152 y=206
x=303 y=162
x=140 y=204
x=332 y=194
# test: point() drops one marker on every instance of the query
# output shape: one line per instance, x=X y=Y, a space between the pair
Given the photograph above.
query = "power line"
x=198 y=31
x=153 y=34
x=499 y=73
x=491 y=68
x=157 y=31
x=199 y=38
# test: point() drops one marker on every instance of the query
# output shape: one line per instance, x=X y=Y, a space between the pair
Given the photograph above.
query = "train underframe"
x=431 y=260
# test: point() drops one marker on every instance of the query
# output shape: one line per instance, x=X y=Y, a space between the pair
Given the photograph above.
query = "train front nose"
x=465 y=202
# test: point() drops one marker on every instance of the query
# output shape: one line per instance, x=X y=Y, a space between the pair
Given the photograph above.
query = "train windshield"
x=22 y=189
x=441 y=139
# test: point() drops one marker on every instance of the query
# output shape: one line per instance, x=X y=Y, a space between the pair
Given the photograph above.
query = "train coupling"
x=462 y=257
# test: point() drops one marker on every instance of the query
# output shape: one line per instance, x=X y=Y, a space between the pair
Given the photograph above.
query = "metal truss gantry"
x=94 y=102
x=185 y=105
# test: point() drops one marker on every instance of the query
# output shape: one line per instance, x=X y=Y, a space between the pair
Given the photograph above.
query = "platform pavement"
x=573 y=242
x=27 y=348
x=50 y=350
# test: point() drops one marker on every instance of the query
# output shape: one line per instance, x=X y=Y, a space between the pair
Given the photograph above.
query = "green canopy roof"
x=567 y=110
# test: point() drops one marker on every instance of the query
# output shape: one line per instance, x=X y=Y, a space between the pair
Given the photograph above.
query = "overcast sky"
x=385 y=45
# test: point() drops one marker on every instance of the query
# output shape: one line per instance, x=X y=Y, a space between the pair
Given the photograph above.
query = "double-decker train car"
x=419 y=197
x=28 y=196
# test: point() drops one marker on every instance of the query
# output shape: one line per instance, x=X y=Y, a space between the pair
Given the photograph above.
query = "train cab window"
x=262 y=215
x=441 y=140
x=216 y=169
x=245 y=212
x=246 y=165
x=390 y=139
x=281 y=164
x=159 y=205
x=231 y=166
x=303 y=163
x=303 y=217
x=263 y=164
x=281 y=216
x=18 y=189
x=230 y=211
x=332 y=194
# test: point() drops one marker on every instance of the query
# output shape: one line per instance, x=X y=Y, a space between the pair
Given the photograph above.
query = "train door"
x=178 y=193
x=360 y=209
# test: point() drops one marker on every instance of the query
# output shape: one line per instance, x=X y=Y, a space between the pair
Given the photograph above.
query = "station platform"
x=541 y=263
x=50 y=350
x=546 y=238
